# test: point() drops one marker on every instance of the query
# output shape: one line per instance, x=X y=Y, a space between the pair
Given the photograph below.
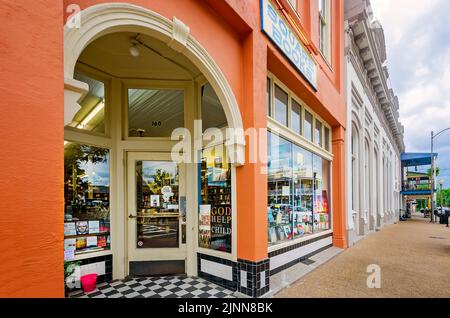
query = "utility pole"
x=432 y=179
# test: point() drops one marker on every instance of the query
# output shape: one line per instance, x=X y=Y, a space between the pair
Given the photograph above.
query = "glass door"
x=156 y=211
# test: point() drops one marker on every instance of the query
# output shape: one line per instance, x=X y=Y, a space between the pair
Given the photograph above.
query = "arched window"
x=355 y=151
x=366 y=176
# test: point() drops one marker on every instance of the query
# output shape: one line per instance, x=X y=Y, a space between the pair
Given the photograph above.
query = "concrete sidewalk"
x=414 y=257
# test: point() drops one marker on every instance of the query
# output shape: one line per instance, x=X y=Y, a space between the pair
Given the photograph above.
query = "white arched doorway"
x=105 y=20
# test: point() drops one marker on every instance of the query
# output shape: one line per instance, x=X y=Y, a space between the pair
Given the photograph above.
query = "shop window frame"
x=105 y=79
x=304 y=108
x=200 y=82
x=100 y=140
x=146 y=84
x=323 y=156
x=299 y=139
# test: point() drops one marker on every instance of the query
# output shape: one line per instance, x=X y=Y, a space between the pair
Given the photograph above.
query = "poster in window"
x=94 y=227
x=81 y=243
x=154 y=201
x=204 y=227
x=82 y=227
x=221 y=228
x=91 y=241
x=69 y=229
x=70 y=244
x=101 y=241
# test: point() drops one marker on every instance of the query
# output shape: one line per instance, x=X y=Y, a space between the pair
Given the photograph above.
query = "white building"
x=374 y=132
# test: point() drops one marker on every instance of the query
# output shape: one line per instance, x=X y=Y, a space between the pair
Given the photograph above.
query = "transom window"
x=287 y=109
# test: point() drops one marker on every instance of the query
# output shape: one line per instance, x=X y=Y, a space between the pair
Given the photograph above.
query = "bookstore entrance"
x=157 y=214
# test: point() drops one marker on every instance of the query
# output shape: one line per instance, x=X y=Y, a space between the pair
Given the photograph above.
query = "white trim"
x=273 y=125
x=92 y=255
x=292 y=255
x=277 y=247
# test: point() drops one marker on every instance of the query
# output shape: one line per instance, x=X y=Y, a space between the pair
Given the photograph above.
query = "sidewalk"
x=414 y=257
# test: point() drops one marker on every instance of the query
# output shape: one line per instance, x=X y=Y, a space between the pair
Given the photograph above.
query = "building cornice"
x=366 y=51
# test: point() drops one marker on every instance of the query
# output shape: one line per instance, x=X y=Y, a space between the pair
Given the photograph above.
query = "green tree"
x=445 y=198
x=430 y=172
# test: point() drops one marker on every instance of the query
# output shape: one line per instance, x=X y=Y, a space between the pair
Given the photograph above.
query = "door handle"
x=131 y=216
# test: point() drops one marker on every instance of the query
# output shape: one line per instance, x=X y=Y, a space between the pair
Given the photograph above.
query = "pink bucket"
x=88 y=282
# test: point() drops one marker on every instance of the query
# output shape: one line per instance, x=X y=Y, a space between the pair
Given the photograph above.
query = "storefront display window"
x=213 y=115
x=298 y=191
x=154 y=113
x=321 y=169
x=279 y=189
x=86 y=199
x=303 y=192
x=91 y=115
x=215 y=210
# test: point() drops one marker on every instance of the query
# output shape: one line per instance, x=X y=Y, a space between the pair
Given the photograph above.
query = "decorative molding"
x=180 y=36
x=74 y=91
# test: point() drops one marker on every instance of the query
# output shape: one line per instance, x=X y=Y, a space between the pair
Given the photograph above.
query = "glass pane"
x=308 y=125
x=296 y=117
x=91 y=115
x=215 y=214
x=281 y=105
x=154 y=113
x=303 y=192
x=157 y=204
x=327 y=139
x=279 y=189
x=318 y=133
x=321 y=169
x=213 y=115
x=86 y=199
x=268 y=97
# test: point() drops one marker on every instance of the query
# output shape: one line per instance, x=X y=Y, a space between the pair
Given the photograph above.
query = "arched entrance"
x=168 y=75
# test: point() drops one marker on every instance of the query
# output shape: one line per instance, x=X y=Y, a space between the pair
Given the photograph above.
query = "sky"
x=418 y=50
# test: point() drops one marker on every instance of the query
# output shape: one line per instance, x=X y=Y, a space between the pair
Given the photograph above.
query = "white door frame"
x=150 y=254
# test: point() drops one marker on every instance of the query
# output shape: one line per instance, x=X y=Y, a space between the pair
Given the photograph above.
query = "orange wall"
x=31 y=143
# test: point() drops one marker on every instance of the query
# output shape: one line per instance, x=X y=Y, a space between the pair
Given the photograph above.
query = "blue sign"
x=281 y=34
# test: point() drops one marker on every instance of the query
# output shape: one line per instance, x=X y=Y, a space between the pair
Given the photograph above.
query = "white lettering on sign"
x=281 y=34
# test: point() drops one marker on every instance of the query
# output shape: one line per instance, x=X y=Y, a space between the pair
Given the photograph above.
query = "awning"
x=416 y=159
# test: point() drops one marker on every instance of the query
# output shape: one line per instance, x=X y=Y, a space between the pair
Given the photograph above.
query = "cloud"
x=417 y=40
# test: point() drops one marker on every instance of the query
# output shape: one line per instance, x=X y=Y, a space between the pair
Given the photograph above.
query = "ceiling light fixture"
x=134 y=49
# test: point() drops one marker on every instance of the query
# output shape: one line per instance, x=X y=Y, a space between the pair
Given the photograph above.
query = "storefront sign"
x=281 y=34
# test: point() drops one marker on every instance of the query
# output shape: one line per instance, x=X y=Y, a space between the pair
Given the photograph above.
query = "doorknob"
x=131 y=216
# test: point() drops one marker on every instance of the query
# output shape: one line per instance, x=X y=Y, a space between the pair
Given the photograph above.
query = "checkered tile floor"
x=157 y=287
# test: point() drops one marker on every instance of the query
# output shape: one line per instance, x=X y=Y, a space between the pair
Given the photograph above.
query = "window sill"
x=92 y=255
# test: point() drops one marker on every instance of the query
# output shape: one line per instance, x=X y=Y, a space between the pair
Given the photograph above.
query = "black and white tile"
x=157 y=287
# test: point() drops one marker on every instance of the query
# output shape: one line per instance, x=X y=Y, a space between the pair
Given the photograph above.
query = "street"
x=413 y=257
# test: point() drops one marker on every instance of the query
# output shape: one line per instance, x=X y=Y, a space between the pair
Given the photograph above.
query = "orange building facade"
x=113 y=80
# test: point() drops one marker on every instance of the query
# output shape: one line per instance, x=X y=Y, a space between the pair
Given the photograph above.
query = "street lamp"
x=433 y=171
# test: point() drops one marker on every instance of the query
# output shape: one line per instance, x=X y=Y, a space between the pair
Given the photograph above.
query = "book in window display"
x=86 y=193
